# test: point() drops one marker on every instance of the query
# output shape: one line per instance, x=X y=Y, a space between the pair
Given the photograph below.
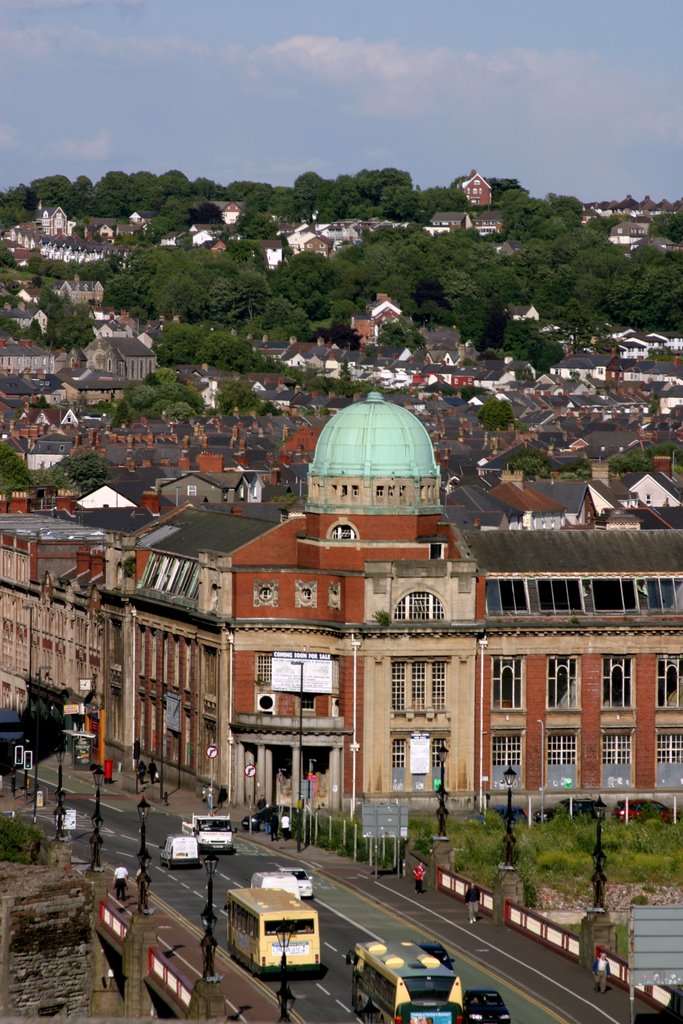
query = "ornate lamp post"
x=285 y=998
x=442 y=810
x=599 y=858
x=509 y=776
x=144 y=858
x=59 y=810
x=96 y=838
x=208 y=942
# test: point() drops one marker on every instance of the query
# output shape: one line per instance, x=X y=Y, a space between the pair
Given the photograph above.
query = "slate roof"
x=612 y=552
x=195 y=528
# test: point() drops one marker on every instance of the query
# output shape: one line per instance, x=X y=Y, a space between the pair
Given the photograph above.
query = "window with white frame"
x=616 y=682
x=398 y=685
x=616 y=748
x=562 y=691
x=506 y=750
x=398 y=753
x=439 y=685
x=669 y=682
x=559 y=595
x=506 y=596
x=342 y=531
x=419 y=606
x=192 y=490
x=507 y=683
x=670 y=748
x=419 y=685
x=264 y=669
x=410 y=685
x=561 y=748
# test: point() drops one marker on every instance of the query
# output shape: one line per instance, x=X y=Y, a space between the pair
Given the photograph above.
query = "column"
x=334 y=784
x=296 y=774
x=239 y=774
x=267 y=774
x=260 y=788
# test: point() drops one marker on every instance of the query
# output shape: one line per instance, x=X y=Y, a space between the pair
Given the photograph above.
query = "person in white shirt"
x=120 y=879
x=285 y=825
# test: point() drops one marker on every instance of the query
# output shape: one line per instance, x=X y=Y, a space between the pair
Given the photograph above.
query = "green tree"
x=531 y=462
x=14 y=476
x=82 y=472
x=18 y=841
x=237 y=395
x=496 y=414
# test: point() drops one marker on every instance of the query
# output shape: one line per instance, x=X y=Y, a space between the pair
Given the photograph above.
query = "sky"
x=582 y=98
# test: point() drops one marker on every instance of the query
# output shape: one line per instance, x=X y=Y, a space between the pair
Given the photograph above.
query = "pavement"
x=436 y=914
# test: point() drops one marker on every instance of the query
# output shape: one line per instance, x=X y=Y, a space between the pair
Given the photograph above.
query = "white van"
x=179 y=851
x=275 y=880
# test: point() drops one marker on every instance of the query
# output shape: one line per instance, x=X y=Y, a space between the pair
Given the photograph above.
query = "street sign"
x=211 y=751
x=385 y=820
x=250 y=770
x=69 y=819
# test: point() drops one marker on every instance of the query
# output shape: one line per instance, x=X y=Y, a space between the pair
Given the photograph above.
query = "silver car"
x=304 y=881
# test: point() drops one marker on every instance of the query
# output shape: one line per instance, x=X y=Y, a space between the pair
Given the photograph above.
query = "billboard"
x=172 y=712
x=297 y=672
x=657 y=945
x=419 y=753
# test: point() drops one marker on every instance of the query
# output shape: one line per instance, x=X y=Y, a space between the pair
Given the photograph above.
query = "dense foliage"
x=18 y=841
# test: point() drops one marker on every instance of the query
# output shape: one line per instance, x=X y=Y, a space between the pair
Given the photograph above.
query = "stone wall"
x=46 y=942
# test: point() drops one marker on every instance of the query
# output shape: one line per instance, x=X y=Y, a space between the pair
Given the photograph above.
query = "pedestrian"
x=601 y=972
x=222 y=796
x=274 y=825
x=209 y=799
x=142 y=771
x=472 y=897
x=419 y=875
x=13 y=781
x=285 y=826
x=261 y=805
x=153 y=773
x=120 y=880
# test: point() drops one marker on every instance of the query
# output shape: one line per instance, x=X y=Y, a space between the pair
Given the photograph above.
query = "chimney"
x=151 y=501
x=662 y=464
x=183 y=462
x=210 y=463
x=600 y=471
x=275 y=475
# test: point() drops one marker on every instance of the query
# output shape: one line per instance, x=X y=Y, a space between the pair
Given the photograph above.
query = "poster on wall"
x=419 y=753
x=172 y=712
x=293 y=671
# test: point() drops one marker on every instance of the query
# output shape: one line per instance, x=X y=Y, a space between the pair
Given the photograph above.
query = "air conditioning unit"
x=265 y=702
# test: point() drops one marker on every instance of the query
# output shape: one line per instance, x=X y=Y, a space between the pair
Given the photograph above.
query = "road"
x=353 y=906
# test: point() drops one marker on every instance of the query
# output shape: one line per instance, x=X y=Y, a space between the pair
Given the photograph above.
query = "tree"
x=18 y=841
x=14 y=476
x=496 y=414
x=237 y=395
x=531 y=462
x=83 y=471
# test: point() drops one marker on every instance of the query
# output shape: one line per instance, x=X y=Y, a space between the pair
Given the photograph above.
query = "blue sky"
x=581 y=98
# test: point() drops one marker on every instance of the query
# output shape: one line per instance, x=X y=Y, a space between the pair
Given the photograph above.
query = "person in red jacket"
x=419 y=874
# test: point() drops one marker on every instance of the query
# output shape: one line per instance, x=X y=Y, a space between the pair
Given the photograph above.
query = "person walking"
x=274 y=825
x=601 y=972
x=222 y=797
x=472 y=897
x=120 y=880
x=142 y=771
x=419 y=875
x=153 y=773
x=285 y=825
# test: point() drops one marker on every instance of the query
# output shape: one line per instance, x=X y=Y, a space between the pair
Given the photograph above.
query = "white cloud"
x=97 y=148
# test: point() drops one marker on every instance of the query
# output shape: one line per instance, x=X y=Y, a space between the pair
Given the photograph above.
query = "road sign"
x=211 y=751
x=250 y=770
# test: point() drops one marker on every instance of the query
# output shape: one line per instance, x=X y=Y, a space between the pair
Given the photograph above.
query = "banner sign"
x=419 y=753
x=297 y=672
x=172 y=712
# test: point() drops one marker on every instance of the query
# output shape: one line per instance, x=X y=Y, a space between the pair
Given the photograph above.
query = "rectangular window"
x=670 y=748
x=559 y=596
x=506 y=750
x=562 y=683
x=398 y=686
x=398 y=753
x=616 y=682
x=264 y=669
x=615 y=595
x=507 y=683
x=419 y=685
x=308 y=702
x=616 y=748
x=192 y=490
x=662 y=595
x=506 y=596
x=669 y=682
x=561 y=748
x=439 y=685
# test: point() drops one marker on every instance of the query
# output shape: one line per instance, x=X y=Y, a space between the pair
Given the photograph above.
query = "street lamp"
x=509 y=775
x=599 y=858
x=208 y=943
x=442 y=810
x=542 y=725
x=483 y=644
x=42 y=670
x=96 y=818
x=285 y=998
x=144 y=858
x=355 y=747
x=59 y=810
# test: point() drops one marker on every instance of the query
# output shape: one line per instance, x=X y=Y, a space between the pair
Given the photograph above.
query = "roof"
x=194 y=529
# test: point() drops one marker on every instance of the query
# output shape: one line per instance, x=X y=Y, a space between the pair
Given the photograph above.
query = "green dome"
x=374 y=438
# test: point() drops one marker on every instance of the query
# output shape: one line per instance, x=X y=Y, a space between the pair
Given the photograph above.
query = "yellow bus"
x=255 y=916
x=399 y=983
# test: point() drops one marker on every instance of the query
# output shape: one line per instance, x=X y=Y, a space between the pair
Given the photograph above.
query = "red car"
x=641 y=809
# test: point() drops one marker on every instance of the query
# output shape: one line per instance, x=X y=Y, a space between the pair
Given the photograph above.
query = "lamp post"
x=483 y=644
x=144 y=858
x=42 y=670
x=208 y=943
x=599 y=858
x=542 y=725
x=96 y=838
x=442 y=810
x=355 y=747
x=59 y=810
x=509 y=776
x=285 y=998
x=300 y=797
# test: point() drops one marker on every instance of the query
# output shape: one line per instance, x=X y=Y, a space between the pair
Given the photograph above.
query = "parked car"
x=304 y=881
x=519 y=815
x=642 y=809
x=575 y=806
x=437 y=950
x=484 y=1005
x=258 y=819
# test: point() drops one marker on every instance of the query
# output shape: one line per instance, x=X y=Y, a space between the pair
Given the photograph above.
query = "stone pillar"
x=260 y=787
x=207 y=1002
x=105 y=1001
x=508 y=886
x=140 y=936
x=240 y=795
x=267 y=791
x=597 y=929
x=334 y=782
x=59 y=854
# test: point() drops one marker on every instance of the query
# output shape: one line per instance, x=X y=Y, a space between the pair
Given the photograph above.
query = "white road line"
x=337 y=913
x=318 y=985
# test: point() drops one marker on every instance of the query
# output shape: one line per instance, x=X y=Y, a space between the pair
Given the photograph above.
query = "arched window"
x=419 y=605
x=343 y=531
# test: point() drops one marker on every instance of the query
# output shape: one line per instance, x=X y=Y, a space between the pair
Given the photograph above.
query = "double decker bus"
x=399 y=983
x=262 y=921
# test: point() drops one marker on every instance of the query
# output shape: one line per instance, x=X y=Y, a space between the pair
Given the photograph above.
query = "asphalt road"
x=353 y=905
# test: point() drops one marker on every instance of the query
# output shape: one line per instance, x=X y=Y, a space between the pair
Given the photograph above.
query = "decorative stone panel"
x=266 y=593
x=305 y=594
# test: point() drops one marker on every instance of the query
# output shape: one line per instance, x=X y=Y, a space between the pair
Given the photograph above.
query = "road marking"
x=333 y=948
x=322 y=989
x=348 y=920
